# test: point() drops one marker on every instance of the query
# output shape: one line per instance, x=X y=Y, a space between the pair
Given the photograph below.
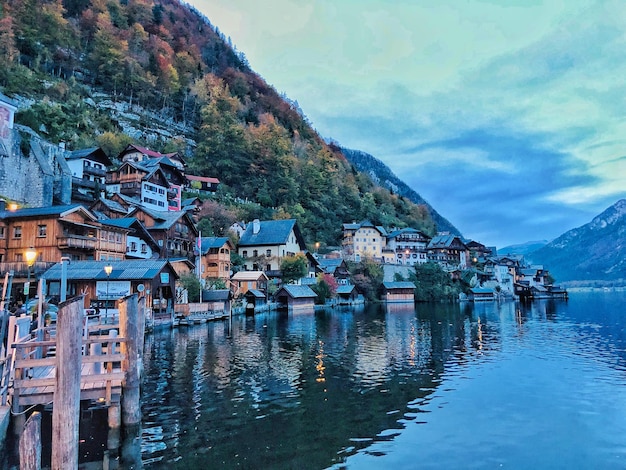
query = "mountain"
x=522 y=248
x=159 y=74
x=384 y=177
x=593 y=252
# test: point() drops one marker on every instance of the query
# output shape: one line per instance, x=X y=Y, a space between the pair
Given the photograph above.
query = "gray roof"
x=402 y=231
x=345 y=289
x=365 y=223
x=298 y=292
x=113 y=205
x=212 y=242
x=399 y=285
x=209 y=295
x=256 y=293
x=481 y=290
x=128 y=270
x=271 y=232
x=441 y=241
x=92 y=153
x=125 y=222
x=41 y=211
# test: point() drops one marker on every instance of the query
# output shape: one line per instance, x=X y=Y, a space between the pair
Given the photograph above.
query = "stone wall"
x=33 y=172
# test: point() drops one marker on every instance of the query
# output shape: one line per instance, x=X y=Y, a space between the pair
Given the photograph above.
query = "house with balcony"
x=264 y=244
x=147 y=185
x=140 y=244
x=448 y=251
x=174 y=231
x=363 y=240
x=136 y=153
x=215 y=258
x=407 y=246
x=88 y=168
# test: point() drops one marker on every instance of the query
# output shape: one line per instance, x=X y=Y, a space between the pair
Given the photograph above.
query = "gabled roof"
x=398 y=285
x=271 y=232
x=365 y=224
x=213 y=242
x=163 y=220
x=345 y=289
x=112 y=205
x=95 y=154
x=255 y=293
x=444 y=241
x=212 y=295
x=297 y=292
x=204 y=179
x=249 y=276
x=402 y=231
x=61 y=211
x=127 y=270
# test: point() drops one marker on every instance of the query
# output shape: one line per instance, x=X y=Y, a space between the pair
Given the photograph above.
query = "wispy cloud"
x=509 y=118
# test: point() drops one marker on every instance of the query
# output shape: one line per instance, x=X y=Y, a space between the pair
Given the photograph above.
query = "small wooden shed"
x=293 y=296
x=254 y=300
x=480 y=294
x=347 y=293
x=399 y=291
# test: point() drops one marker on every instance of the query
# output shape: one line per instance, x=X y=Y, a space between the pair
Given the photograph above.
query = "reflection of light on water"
x=319 y=367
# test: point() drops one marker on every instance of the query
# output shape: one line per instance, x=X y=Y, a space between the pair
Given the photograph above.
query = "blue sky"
x=510 y=120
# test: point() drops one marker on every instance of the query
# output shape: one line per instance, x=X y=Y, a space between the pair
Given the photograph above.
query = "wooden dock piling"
x=30 y=443
x=66 y=411
x=130 y=329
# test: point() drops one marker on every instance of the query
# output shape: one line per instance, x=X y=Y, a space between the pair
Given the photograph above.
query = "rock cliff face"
x=593 y=252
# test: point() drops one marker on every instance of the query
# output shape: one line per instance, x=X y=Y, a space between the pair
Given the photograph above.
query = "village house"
x=264 y=244
x=363 y=240
x=201 y=184
x=148 y=186
x=136 y=153
x=406 y=246
x=449 y=251
x=139 y=243
x=215 y=258
x=88 y=168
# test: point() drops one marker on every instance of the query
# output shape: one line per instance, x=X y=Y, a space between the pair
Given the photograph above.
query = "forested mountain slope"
x=111 y=72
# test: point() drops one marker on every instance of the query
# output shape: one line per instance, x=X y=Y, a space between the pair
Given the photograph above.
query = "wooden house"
x=136 y=153
x=215 y=257
x=201 y=184
x=481 y=294
x=264 y=244
x=154 y=279
x=242 y=281
x=139 y=243
x=399 y=291
x=174 y=231
x=336 y=267
x=449 y=251
x=347 y=294
x=255 y=299
x=295 y=297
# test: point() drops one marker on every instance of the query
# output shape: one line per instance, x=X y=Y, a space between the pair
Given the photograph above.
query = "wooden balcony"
x=77 y=242
x=20 y=269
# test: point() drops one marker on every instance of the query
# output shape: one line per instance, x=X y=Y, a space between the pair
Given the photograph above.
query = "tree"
x=190 y=282
x=293 y=268
x=367 y=276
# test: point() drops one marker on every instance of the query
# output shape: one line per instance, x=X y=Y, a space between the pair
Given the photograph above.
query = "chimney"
x=256 y=226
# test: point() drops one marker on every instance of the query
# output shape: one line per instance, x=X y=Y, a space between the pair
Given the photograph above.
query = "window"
x=244 y=253
x=1 y=232
x=144 y=248
x=41 y=230
x=255 y=253
x=268 y=267
x=19 y=257
x=133 y=246
x=268 y=253
x=17 y=231
x=118 y=238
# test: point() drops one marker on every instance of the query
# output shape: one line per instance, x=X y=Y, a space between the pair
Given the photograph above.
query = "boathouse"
x=154 y=279
x=293 y=296
x=347 y=294
x=243 y=281
x=255 y=300
x=398 y=291
x=480 y=294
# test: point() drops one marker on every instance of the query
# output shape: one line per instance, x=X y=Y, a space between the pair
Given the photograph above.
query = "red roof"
x=203 y=179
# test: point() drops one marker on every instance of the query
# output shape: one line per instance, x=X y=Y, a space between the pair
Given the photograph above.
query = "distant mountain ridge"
x=522 y=248
x=593 y=252
x=384 y=177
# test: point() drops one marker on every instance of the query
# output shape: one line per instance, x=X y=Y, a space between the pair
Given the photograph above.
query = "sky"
x=508 y=117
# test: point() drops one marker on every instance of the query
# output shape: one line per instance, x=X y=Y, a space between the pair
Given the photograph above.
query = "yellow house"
x=363 y=240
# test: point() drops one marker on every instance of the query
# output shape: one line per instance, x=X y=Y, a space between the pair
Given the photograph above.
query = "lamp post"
x=108 y=269
x=31 y=256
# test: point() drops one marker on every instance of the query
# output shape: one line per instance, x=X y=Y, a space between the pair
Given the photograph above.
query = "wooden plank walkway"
x=34 y=371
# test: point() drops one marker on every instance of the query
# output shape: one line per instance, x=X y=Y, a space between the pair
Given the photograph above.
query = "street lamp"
x=108 y=269
x=31 y=256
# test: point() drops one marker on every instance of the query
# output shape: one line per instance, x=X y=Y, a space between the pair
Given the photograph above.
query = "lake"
x=510 y=385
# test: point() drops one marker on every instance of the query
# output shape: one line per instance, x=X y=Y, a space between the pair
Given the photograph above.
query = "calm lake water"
x=522 y=386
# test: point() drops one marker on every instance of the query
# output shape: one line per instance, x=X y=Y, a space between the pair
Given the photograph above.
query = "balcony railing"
x=92 y=170
x=78 y=242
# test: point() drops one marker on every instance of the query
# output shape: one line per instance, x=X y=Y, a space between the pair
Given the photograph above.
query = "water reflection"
x=310 y=390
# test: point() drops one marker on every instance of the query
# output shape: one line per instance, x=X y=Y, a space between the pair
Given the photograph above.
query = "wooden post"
x=66 y=410
x=30 y=443
x=129 y=330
